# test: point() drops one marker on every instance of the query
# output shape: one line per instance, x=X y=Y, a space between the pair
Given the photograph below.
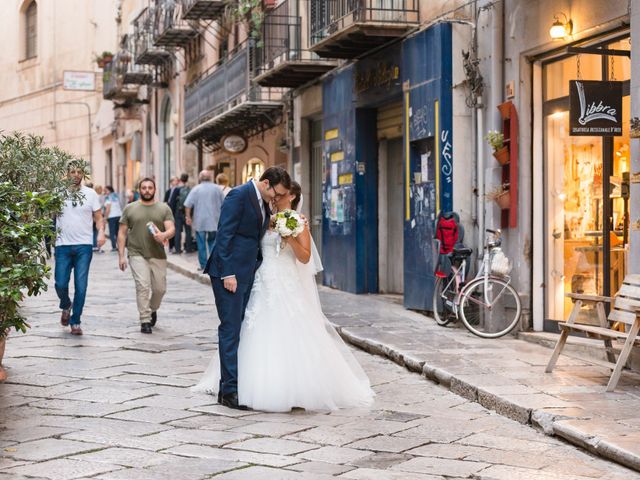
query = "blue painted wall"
x=427 y=69
x=350 y=224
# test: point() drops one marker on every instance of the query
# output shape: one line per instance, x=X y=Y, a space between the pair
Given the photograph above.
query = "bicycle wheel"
x=490 y=310
x=443 y=313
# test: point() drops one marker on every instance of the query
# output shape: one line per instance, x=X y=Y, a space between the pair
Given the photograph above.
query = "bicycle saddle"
x=462 y=251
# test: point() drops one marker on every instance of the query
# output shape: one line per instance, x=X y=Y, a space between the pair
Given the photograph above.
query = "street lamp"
x=559 y=29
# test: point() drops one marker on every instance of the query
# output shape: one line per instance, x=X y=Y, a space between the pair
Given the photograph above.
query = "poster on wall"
x=595 y=108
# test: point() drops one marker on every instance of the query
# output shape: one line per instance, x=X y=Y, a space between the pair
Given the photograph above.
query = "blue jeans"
x=114 y=224
x=78 y=259
x=205 y=241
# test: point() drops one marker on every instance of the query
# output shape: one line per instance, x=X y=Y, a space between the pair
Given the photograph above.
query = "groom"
x=235 y=257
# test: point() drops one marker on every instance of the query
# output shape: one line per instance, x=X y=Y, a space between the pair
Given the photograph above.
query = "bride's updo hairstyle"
x=296 y=190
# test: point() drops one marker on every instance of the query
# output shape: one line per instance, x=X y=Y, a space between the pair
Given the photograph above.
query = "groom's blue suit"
x=236 y=252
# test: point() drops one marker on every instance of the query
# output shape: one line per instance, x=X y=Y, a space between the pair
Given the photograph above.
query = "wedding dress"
x=289 y=355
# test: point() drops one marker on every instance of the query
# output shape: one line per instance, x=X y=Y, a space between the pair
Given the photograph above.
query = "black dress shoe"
x=146 y=328
x=231 y=400
x=154 y=318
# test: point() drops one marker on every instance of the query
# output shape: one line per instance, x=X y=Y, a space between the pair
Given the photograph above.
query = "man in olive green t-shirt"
x=147 y=256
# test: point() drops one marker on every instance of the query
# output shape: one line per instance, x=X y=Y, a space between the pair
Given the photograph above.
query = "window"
x=31 y=30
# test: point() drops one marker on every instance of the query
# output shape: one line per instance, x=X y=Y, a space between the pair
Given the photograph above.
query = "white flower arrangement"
x=288 y=223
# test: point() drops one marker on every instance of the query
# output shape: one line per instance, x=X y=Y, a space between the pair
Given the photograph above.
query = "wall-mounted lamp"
x=559 y=29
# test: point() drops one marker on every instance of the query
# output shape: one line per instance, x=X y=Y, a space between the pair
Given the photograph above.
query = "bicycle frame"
x=484 y=272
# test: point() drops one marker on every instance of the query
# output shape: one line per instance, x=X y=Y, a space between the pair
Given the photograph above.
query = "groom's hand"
x=231 y=284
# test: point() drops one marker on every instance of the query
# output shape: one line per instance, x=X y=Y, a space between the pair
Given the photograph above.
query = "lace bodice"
x=270 y=251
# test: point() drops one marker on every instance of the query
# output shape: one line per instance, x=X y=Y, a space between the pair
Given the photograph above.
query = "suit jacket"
x=171 y=198
x=237 y=246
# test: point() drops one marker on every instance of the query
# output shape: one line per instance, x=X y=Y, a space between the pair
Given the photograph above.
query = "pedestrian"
x=181 y=223
x=145 y=228
x=170 y=198
x=112 y=212
x=74 y=248
x=223 y=181
x=206 y=199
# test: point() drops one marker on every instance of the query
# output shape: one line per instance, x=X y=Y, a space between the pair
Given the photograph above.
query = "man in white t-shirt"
x=74 y=249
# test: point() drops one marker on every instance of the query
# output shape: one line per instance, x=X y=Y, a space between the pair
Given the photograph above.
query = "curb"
x=539 y=419
x=550 y=424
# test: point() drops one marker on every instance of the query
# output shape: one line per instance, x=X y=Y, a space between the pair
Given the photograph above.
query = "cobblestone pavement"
x=115 y=404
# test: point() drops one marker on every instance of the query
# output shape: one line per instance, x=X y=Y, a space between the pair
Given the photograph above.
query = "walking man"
x=74 y=248
x=206 y=198
x=146 y=253
x=170 y=198
x=113 y=211
x=181 y=223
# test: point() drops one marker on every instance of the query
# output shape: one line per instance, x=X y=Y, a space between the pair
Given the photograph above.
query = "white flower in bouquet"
x=288 y=223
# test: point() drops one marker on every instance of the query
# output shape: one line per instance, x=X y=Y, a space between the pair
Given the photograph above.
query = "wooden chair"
x=625 y=310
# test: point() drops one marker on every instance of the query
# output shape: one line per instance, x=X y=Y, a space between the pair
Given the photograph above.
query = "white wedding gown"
x=289 y=354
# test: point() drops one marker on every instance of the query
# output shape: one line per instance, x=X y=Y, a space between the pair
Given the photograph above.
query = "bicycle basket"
x=500 y=264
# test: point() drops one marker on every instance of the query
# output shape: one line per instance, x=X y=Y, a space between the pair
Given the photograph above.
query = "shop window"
x=586 y=190
x=558 y=74
x=31 y=30
x=253 y=169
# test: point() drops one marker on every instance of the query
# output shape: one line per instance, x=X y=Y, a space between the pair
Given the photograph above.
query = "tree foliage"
x=33 y=189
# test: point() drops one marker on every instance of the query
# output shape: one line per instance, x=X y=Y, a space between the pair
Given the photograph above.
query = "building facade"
x=380 y=109
x=50 y=86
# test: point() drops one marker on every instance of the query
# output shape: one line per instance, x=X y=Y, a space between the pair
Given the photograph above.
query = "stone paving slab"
x=124 y=410
x=505 y=375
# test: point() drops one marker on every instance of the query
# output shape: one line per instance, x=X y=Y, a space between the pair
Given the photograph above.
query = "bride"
x=289 y=354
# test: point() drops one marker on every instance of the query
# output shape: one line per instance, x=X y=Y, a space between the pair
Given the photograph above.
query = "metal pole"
x=89 y=119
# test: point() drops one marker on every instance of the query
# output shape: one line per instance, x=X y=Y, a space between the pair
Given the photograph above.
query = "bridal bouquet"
x=287 y=223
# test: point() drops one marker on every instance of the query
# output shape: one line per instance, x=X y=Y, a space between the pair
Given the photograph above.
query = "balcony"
x=227 y=99
x=132 y=73
x=113 y=85
x=146 y=53
x=171 y=30
x=202 y=9
x=283 y=61
x=350 y=28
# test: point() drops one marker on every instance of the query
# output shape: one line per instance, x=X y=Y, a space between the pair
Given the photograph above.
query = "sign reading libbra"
x=595 y=108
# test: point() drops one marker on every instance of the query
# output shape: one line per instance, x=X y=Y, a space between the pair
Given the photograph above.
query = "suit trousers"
x=150 y=276
x=231 y=308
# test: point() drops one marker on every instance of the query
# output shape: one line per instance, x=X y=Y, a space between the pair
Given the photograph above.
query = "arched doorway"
x=253 y=169
x=167 y=145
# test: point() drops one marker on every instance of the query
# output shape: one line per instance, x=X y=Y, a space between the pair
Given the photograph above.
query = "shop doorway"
x=586 y=190
x=390 y=219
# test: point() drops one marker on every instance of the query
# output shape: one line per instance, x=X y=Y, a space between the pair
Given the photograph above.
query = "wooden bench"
x=625 y=310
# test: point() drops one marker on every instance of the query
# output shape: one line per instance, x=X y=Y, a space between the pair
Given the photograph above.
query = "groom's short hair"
x=277 y=176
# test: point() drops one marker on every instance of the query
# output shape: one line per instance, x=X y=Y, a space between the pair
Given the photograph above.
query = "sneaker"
x=145 y=328
x=64 y=317
x=154 y=318
x=76 y=330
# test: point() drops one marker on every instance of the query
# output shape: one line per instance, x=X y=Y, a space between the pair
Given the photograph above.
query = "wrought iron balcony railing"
x=146 y=53
x=226 y=99
x=285 y=60
x=203 y=9
x=113 y=82
x=349 y=28
x=171 y=30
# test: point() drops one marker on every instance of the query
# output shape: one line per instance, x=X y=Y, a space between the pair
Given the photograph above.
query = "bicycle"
x=488 y=305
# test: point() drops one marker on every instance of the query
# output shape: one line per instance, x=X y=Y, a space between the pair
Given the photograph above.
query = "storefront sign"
x=595 y=108
x=234 y=143
x=84 y=81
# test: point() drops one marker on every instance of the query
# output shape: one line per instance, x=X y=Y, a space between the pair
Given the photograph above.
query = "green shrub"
x=33 y=189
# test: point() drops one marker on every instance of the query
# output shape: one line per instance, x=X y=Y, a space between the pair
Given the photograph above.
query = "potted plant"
x=104 y=58
x=501 y=195
x=33 y=188
x=500 y=151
